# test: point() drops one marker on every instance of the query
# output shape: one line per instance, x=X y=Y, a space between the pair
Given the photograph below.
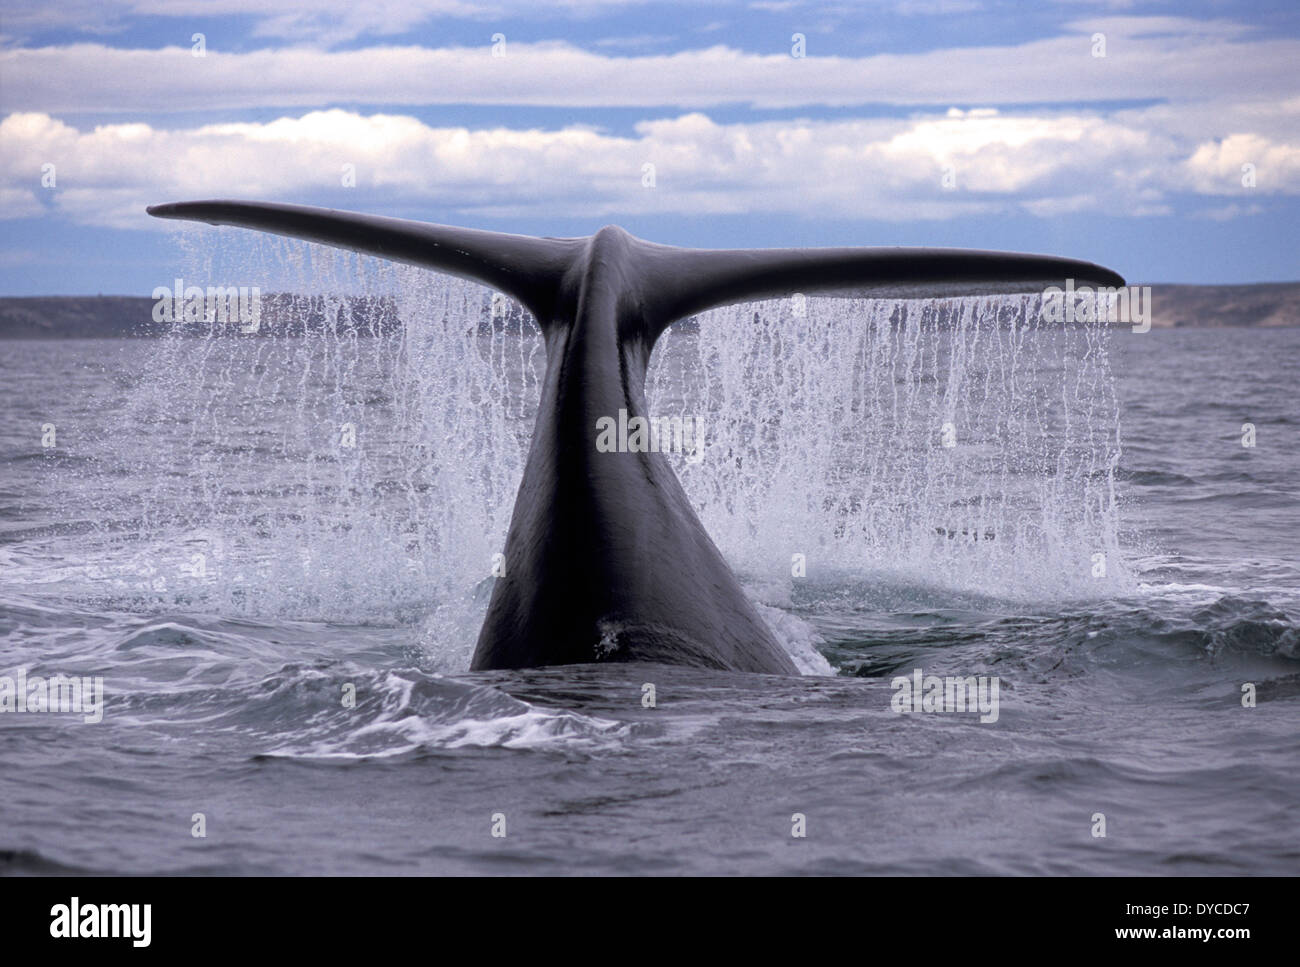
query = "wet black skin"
x=605 y=559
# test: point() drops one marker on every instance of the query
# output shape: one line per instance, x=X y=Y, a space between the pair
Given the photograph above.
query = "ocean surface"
x=276 y=553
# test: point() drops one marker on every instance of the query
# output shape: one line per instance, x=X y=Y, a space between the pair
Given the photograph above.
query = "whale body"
x=605 y=559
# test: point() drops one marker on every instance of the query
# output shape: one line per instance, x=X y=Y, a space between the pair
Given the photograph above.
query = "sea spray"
x=957 y=443
x=356 y=459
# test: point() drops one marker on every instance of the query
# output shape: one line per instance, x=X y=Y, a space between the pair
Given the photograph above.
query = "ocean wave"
x=337 y=709
x=402 y=712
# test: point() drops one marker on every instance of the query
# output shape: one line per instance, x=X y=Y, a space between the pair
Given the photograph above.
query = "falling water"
x=959 y=444
x=362 y=468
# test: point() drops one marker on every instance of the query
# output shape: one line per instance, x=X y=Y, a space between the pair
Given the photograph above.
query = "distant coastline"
x=1259 y=305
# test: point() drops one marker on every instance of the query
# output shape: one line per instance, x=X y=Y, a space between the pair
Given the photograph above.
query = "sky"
x=1161 y=139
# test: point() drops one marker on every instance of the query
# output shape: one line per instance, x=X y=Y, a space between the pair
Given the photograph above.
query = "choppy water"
x=204 y=537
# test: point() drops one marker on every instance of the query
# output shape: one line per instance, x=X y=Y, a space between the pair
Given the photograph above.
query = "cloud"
x=1041 y=163
x=319 y=21
x=1148 y=58
x=1226 y=166
x=936 y=8
x=19 y=203
x=1228 y=212
x=635 y=41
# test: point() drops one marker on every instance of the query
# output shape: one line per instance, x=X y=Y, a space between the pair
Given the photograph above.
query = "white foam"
x=799 y=638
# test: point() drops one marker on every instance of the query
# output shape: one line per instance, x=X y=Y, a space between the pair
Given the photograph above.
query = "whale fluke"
x=521 y=266
x=683 y=282
x=605 y=559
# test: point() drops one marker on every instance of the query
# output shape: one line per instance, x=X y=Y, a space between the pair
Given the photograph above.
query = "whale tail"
x=606 y=559
x=683 y=282
x=527 y=269
x=672 y=282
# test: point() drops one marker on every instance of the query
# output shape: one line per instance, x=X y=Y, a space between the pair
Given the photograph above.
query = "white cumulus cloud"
x=931 y=166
